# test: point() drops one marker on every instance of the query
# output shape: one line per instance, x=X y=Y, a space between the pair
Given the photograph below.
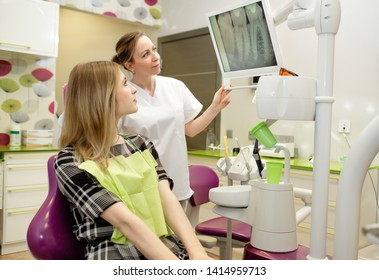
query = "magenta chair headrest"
x=50 y=235
x=202 y=179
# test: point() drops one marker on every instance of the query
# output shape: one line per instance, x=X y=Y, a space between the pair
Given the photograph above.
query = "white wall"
x=356 y=83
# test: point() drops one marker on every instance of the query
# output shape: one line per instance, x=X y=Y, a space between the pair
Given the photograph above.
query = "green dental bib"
x=135 y=181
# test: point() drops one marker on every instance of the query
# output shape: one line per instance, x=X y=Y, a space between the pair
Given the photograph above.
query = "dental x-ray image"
x=243 y=39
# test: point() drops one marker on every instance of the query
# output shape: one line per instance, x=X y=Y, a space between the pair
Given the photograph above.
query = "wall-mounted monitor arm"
x=324 y=15
x=300 y=9
x=281 y=14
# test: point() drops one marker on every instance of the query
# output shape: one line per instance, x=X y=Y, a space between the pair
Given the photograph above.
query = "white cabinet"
x=368 y=214
x=303 y=179
x=29 y=26
x=25 y=186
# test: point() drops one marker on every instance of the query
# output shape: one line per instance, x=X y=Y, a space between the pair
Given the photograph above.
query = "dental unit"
x=269 y=208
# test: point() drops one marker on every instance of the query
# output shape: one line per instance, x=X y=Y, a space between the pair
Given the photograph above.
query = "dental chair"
x=49 y=234
x=202 y=180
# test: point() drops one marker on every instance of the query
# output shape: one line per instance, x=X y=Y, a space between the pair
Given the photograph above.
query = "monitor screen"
x=244 y=40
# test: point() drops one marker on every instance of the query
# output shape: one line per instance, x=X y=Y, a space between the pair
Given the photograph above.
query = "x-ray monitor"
x=244 y=40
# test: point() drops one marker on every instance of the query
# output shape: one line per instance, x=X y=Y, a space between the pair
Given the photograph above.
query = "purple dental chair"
x=49 y=235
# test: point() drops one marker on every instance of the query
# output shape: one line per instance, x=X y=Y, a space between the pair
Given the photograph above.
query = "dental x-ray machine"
x=282 y=98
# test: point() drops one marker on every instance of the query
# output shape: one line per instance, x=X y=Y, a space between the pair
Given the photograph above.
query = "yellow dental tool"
x=226 y=149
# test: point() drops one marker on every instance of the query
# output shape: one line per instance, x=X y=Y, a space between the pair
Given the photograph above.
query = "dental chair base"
x=274 y=217
x=252 y=253
x=268 y=208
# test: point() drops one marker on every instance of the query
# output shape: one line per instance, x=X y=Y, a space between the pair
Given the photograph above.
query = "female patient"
x=120 y=195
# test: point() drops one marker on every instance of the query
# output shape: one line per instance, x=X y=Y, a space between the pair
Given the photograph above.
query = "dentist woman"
x=168 y=111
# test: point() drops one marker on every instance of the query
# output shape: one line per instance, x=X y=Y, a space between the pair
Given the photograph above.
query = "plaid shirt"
x=88 y=199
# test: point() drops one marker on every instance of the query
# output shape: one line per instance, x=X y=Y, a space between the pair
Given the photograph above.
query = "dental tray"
x=231 y=196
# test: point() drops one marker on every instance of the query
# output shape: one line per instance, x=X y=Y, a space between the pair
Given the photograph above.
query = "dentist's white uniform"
x=162 y=119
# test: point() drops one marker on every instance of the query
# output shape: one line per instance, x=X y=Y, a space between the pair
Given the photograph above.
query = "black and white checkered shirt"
x=88 y=199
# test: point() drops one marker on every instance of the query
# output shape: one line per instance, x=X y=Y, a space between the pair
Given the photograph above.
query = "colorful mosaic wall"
x=27 y=93
x=147 y=12
x=27 y=83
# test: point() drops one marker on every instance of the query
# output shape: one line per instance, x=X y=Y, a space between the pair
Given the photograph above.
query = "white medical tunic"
x=162 y=118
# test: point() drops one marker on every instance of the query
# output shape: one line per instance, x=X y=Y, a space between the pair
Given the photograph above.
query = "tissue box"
x=37 y=142
x=37 y=138
x=37 y=133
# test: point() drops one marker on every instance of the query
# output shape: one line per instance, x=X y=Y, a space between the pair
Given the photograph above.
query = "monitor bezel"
x=251 y=72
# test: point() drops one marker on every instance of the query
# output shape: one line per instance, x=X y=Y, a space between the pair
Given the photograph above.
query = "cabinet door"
x=29 y=26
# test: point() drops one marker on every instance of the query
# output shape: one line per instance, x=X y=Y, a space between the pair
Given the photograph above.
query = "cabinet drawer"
x=25 y=196
x=27 y=158
x=16 y=224
x=26 y=174
x=331 y=213
x=304 y=179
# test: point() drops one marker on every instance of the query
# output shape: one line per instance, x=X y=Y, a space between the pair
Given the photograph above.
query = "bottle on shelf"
x=15 y=136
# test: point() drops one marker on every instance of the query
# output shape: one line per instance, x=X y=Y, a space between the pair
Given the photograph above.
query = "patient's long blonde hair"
x=90 y=121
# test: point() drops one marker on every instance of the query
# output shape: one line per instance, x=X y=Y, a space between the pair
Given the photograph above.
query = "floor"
x=17 y=256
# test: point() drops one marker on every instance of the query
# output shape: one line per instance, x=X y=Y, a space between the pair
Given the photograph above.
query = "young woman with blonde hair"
x=120 y=194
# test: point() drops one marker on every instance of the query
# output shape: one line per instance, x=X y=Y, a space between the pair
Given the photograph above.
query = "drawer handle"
x=301 y=174
x=26 y=166
x=24 y=211
x=21 y=189
x=29 y=156
x=331 y=177
x=15 y=45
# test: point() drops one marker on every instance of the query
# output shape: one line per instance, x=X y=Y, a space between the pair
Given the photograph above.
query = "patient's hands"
x=198 y=253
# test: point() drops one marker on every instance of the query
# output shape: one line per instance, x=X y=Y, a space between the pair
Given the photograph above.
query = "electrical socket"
x=344 y=126
x=229 y=133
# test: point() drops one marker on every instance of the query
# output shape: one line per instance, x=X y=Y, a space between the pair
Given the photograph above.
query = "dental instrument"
x=257 y=158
